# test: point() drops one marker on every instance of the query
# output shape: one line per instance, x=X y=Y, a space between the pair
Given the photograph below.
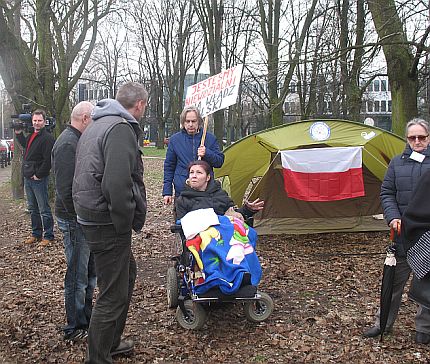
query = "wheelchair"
x=191 y=308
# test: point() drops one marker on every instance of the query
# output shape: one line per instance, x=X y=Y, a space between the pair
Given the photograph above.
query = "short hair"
x=130 y=93
x=39 y=112
x=201 y=163
x=186 y=110
x=417 y=121
x=82 y=108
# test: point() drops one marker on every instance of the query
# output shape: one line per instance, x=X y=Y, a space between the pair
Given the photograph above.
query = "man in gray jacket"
x=110 y=200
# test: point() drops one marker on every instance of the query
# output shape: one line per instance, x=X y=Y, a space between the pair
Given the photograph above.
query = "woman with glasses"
x=402 y=176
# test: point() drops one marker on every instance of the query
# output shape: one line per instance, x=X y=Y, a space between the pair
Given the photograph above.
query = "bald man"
x=80 y=279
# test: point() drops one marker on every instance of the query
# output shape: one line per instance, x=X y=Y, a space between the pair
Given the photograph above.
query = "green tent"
x=253 y=168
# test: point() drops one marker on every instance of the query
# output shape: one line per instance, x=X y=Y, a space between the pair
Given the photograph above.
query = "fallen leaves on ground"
x=325 y=288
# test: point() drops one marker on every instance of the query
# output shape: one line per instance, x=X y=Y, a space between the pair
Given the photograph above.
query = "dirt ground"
x=325 y=288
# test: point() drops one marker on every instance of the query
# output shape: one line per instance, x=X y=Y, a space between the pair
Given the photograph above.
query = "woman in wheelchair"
x=220 y=263
x=201 y=192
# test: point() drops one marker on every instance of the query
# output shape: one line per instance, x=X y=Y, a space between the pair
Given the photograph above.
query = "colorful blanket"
x=224 y=253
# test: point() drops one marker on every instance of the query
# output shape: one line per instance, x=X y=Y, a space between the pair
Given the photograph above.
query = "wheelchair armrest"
x=176 y=228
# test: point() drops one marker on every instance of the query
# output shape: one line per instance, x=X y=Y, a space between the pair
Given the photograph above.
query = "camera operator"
x=35 y=169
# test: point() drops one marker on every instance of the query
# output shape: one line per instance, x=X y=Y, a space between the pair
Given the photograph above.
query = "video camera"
x=23 y=121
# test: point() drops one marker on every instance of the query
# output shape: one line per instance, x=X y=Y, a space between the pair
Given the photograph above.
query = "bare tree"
x=402 y=56
x=270 y=18
x=44 y=47
x=170 y=47
x=211 y=17
x=106 y=66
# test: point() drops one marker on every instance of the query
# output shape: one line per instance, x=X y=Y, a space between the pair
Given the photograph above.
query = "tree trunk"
x=400 y=62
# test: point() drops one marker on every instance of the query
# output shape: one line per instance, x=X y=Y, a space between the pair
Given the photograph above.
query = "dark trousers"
x=116 y=274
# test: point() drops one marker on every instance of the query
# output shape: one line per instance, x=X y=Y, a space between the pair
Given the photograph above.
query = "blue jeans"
x=80 y=279
x=38 y=205
x=116 y=274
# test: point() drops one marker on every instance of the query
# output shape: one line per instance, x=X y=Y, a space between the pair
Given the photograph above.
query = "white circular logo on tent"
x=319 y=131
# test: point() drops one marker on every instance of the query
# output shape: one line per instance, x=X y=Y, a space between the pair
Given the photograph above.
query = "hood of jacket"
x=111 y=107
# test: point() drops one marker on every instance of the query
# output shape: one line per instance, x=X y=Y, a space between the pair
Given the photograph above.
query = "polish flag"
x=323 y=174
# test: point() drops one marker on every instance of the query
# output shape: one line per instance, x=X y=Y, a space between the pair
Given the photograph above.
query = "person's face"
x=38 y=122
x=418 y=138
x=191 y=123
x=198 y=178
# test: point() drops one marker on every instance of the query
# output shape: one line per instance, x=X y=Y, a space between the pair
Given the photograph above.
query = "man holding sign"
x=193 y=142
x=186 y=146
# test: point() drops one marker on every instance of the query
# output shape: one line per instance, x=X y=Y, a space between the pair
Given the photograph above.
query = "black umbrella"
x=387 y=284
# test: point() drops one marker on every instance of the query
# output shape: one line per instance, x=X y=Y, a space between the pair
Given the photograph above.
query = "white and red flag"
x=323 y=174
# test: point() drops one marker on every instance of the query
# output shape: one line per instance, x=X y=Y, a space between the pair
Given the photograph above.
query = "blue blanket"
x=224 y=253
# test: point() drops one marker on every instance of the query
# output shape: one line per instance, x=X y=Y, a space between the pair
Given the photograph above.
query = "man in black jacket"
x=35 y=169
x=80 y=279
x=110 y=200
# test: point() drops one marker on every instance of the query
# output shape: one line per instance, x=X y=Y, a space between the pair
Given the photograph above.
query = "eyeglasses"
x=421 y=138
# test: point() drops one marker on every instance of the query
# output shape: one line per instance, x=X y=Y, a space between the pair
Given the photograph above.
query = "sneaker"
x=45 y=242
x=31 y=240
x=79 y=334
x=124 y=347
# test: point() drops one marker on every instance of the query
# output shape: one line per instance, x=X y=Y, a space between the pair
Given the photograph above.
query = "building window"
x=91 y=95
x=383 y=106
x=376 y=86
x=389 y=105
x=370 y=87
x=377 y=109
x=292 y=88
x=329 y=107
x=369 y=106
x=384 y=85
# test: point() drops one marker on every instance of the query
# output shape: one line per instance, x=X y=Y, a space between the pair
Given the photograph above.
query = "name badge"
x=417 y=157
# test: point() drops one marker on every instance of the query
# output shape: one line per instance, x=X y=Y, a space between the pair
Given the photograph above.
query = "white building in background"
x=90 y=91
x=376 y=106
x=377 y=103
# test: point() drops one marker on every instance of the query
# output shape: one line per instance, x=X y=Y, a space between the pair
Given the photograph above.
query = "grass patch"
x=154 y=152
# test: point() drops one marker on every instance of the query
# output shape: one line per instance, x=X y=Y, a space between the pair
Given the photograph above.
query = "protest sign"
x=216 y=92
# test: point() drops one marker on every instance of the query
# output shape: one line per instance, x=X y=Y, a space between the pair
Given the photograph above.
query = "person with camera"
x=35 y=169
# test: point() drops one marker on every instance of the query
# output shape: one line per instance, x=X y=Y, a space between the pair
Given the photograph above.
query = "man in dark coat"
x=35 y=169
x=80 y=278
x=110 y=201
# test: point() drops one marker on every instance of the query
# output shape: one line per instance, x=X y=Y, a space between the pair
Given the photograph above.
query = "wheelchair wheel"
x=172 y=288
x=196 y=316
x=260 y=310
